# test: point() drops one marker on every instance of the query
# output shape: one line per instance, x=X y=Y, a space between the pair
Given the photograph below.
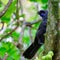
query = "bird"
x=39 y=37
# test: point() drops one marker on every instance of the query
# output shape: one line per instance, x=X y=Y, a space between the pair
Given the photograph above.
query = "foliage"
x=48 y=56
x=4 y=2
x=7 y=16
x=10 y=49
x=43 y=2
x=15 y=36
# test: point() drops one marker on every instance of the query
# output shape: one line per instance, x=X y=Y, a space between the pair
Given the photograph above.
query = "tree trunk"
x=52 y=40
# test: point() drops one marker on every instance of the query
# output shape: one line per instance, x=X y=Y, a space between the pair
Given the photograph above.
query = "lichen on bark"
x=52 y=40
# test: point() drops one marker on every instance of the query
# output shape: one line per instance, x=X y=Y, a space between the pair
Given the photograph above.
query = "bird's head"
x=43 y=13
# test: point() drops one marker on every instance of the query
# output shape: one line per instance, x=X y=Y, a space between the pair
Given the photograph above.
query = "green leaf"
x=34 y=32
x=48 y=56
x=51 y=53
x=2 y=51
x=45 y=6
x=41 y=49
x=37 y=25
x=1 y=6
x=7 y=16
x=9 y=58
x=23 y=15
x=33 y=17
x=40 y=1
x=44 y=1
x=26 y=38
x=33 y=0
x=4 y=1
x=13 y=52
x=15 y=36
x=7 y=30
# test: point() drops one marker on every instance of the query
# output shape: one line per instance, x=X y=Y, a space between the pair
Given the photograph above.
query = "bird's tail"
x=31 y=51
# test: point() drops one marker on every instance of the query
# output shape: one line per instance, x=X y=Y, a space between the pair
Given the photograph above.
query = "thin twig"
x=30 y=34
x=22 y=31
x=5 y=57
x=6 y=8
x=9 y=33
x=33 y=22
x=23 y=25
x=21 y=6
x=28 y=23
x=2 y=26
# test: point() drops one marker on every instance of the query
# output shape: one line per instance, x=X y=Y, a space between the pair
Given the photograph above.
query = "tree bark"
x=52 y=40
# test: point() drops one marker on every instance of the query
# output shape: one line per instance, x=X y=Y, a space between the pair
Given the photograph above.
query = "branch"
x=33 y=22
x=23 y=25
x=30 y=34
x=21 y=6
x=2 y=26
x=5 y=57
x=6 y=8
x=28 y=23
x=9 y=33
x=20 y=43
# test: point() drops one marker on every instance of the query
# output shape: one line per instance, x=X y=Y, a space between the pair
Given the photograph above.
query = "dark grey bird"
x=39 y=38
